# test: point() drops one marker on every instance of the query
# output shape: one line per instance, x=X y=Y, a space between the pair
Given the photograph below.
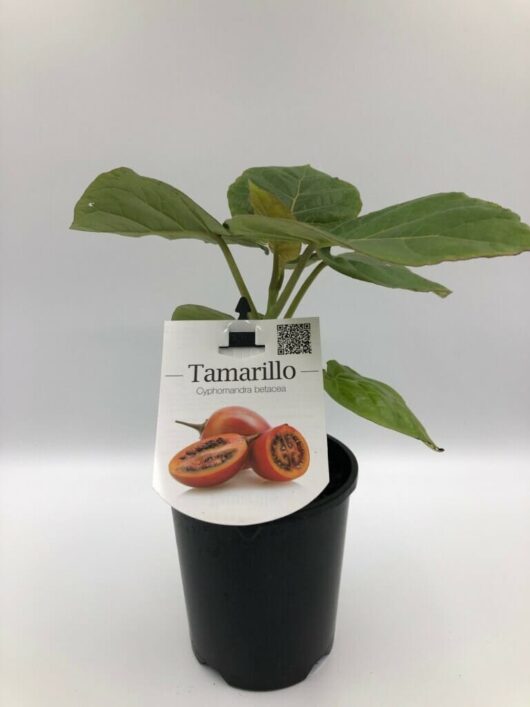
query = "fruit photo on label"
x=235 y=438
x=210 y=461
x=232 y=418
x=280 y=454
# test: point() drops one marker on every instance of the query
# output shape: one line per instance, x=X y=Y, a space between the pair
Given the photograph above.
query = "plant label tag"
x=241 y=435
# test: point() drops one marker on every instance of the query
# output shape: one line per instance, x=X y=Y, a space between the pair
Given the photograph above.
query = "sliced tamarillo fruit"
x=280 y=454
x=230 y=419
x=210 y=461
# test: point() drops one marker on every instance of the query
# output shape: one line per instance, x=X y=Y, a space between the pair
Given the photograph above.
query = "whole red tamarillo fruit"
x=280 y=454
x=233 y=418
x=210 y=461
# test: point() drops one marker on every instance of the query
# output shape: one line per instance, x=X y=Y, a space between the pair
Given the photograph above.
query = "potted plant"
x=262 y=599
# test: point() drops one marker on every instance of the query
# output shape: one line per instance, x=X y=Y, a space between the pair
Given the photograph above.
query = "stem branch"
x=236 y=274
x=291 y=283
x=303 y=289
x=275 y=283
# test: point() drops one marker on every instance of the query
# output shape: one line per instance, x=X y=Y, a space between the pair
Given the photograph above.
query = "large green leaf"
x=266 y=229
x=436 y=228
x=187 y=312
x=373 y=400
x=123 y=202
x=362 y=267
x=310 y=195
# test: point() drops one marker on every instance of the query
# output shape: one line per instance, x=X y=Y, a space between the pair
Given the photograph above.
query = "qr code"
x=294 y=338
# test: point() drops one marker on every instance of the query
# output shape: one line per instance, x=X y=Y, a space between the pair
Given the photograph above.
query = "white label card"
x=241 y=433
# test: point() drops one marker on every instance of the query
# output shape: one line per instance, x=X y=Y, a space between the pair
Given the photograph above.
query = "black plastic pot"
x=262 y=599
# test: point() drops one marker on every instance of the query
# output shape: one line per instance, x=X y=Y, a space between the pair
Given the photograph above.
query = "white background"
x=402 y=99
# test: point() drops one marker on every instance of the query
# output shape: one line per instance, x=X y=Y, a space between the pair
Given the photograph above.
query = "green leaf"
x=362 y=267
x=310 y=195
x=186 y=312
x=374 y=401
x=123 y=202
x=266 y=204
x=437 y=228
x=264 y=229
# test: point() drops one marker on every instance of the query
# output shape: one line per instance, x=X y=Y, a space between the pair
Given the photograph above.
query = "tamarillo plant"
x=301 y=216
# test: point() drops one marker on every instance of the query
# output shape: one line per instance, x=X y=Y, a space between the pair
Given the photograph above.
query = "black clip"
x=240 y=339
x=243 y=308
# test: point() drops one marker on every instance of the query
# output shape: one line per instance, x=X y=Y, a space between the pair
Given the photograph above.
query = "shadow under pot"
x=262 y=599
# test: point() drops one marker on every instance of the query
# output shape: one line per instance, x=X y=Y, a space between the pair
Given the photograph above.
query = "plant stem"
x=275 y=283
x=236 y=274
x=303 y=289
x=291 y=283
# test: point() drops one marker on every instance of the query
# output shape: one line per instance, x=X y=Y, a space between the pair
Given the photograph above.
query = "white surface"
x=434 y=606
